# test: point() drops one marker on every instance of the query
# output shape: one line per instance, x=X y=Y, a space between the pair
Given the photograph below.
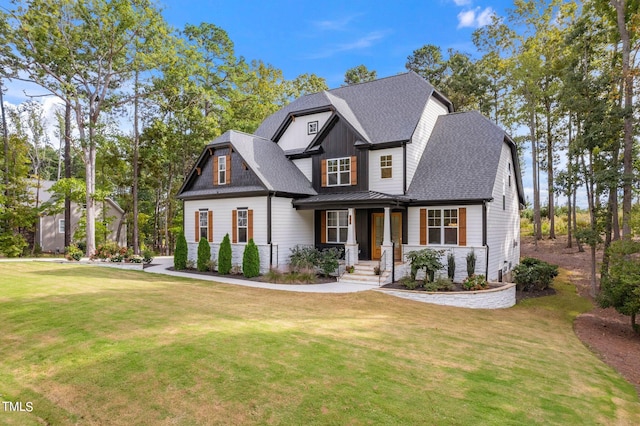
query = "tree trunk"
x=537 y=222
x=67 y=173
x=134 y=189
x=627 y=75
x=5 y=137
x=569 y=187
x=550 y=189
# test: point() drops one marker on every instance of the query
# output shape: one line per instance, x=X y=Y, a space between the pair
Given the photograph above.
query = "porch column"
x=351 y=246
x=387 y=248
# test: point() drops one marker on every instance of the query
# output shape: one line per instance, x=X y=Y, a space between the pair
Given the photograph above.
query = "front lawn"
x=91 y=345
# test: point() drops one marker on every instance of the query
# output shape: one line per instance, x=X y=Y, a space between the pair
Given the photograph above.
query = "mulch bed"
x=259 y=278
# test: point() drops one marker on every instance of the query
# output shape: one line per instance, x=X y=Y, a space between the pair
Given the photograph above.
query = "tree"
x=251 y=260
x=621 y=285
x=305 y=84
x=224 y=256
x=359 y=74
x=82 y=52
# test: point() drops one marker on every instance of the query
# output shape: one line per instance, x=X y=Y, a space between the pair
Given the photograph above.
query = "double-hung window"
x=222 y=170
x=339 y=171
x=204 y=224
x=243 y=225
x=60 y=226
x=442 y=226
x=337 y=225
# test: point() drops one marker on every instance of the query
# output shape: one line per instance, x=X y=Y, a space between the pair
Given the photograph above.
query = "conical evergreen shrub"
x=251 y=260
x=224 y=256
x=181 y=253
x=204 y=255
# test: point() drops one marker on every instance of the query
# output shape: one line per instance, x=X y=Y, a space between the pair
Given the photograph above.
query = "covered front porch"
x=370 y=226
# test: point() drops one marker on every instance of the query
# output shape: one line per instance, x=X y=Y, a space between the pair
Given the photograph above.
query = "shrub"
x=439 y=284
x=475 y=282
x=12 y=244
x=224 y=256
x=426 y=259
x=190 y=264
x=181 y=253
x=204 y=254
x=534 y=275
x=251 y=260
x=471 y=263
x=135 y=259
x=117 y=258
x=73 y=252
x=147 y=256
x=303 y=257
x=328 y=260
x=621 y=285
x=212 y=264
x=410 y=283
x=451 y=265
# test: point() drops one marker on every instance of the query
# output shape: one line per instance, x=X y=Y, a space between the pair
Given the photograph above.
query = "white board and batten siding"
x=392 y=185
x=222 y=224
x=474 y=240
x=503 y=225
x=289 y=227
x=421 y=135
x=297 y=136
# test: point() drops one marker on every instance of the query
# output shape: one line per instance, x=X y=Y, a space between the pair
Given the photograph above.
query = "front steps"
x=363 y=274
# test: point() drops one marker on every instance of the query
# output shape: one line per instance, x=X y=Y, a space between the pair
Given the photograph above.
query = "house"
x=379 y=169
x=49 y=231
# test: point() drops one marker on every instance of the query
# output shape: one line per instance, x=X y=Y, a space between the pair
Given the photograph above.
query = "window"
x=243 y=225
x=312 y=127
x=337 y=226
x=61 y=226
x=339 y=171
x=385 y=166
x=204 y=224
x=509 y=173
x=442 y=226
x=222 y=170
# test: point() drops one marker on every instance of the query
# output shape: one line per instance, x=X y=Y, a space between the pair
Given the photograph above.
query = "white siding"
x=296 y=137
x=306 y=167
x=474 y=240
x=289 y=227
x=421 y=135
x=503 y=225
x=391 y=185
x=222 y=224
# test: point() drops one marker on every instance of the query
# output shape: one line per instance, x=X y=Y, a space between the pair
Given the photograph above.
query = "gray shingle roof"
x=267 y=160
x=460 y=161
x=384 y=110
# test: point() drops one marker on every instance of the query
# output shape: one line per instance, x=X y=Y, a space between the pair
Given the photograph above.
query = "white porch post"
x=386 y=239
x=351 y=246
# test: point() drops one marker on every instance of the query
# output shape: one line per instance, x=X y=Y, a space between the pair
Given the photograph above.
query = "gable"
x=301 y=130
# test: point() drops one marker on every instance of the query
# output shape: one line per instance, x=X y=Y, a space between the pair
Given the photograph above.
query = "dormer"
x=300 y=128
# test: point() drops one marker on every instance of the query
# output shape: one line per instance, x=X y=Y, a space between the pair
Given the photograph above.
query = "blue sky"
x=328 y=37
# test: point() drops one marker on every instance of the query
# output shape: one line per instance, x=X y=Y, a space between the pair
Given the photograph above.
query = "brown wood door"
x=377 y=234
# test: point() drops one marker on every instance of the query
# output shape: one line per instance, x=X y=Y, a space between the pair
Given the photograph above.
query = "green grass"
x=97 y=346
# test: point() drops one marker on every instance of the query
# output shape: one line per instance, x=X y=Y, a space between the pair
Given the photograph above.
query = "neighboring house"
x=365 y=167
x=50 y=229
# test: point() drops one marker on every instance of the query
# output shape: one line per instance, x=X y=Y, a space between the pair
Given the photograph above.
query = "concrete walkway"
x=163 y=262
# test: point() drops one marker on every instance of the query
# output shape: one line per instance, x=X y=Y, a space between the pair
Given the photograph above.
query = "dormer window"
x=312 y=127
x=222 y=170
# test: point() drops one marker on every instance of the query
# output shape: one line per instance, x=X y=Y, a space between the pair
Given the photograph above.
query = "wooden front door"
x=377 y=234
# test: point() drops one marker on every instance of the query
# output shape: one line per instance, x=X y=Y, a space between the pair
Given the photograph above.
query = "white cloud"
x=466 y=18
x=363 y=42
x=462 y=2
x=339 y=24
x=475 y=18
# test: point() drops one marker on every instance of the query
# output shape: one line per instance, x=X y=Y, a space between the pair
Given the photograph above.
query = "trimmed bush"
x=73 y=252
x=224 y=256
x=204 y=254
x=451 y=266
x=534 y=274
x=303 y=258
x=181 y=253
x=251 y=260
x=328 y=260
